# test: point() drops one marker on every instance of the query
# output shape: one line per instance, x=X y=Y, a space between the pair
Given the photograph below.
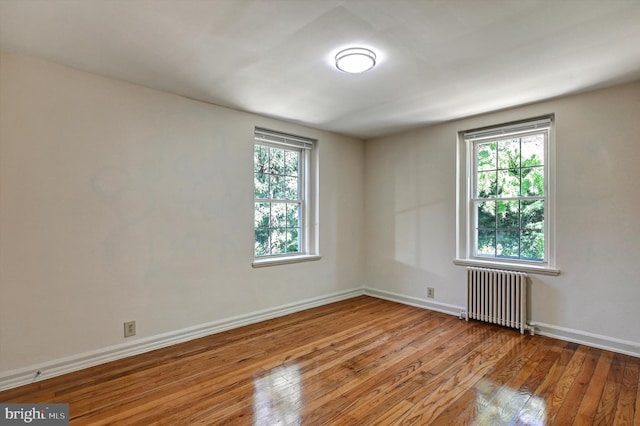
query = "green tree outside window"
x=509 y=197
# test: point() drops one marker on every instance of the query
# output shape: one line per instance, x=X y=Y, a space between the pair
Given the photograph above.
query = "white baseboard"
x=23 y=376
x=415 y=301
x=567 y=334
x=26 y=375
x=589 y=339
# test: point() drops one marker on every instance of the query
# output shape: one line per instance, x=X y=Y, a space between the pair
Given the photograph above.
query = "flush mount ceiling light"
x=355 y=60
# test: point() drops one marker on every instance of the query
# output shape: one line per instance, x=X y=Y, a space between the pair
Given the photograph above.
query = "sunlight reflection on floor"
x=277 y=397
x=508 y=406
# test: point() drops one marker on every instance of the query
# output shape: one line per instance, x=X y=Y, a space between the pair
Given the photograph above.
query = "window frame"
x=307 y=196
x=466 y=222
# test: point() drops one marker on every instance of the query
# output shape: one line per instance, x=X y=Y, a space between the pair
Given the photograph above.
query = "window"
x=508 y=197
x=284 y=198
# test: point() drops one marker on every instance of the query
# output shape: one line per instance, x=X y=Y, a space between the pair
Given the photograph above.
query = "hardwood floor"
x=363 y=361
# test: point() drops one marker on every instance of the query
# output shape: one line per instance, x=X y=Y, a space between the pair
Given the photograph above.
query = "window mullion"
x=278 y=200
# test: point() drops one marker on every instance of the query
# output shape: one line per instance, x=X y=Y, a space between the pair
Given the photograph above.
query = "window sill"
x=275 y=261
x=533 y=269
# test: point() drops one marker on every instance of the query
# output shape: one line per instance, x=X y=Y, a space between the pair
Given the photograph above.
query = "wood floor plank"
x=362 y=361
x=605 y=412
x=392 y=416
x=569 y=372
x=636 y=418
x=365 y=368
x=434 y=398
x=226 y=382
x=379 y=390
x=628 y=393
x=267 y=364
x=445 y=348
x=572 y=400
x=220 y=370
x=591 y=399
x=466 y=408
x=536 y=408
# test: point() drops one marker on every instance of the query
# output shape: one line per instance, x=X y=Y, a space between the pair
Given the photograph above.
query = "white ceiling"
x=438 y=59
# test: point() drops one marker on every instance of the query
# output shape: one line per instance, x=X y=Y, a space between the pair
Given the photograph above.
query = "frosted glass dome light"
x=355 y=60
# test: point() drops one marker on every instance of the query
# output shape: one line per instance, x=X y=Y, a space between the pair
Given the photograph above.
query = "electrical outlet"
x=431 y=293
x=129 y=328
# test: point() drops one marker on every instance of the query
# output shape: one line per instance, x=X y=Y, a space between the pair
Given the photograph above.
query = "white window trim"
x=310 y=209
x=284 y=260
x=464 y=215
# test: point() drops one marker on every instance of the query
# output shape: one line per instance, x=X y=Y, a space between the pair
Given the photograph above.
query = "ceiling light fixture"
x=355 y=60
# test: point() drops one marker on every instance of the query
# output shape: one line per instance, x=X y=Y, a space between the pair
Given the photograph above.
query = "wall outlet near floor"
x=431 y=293
x=129 y=328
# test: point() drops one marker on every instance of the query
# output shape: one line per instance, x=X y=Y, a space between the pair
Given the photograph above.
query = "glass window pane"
x=276 y=185
x=262 y=215
x=293 y=215
x=486 y=184
x=533 y=181
x=486 y=243
x=291 y=188
x=532 y=150
x=291 y=163
x=486 y=156
x=278 y=240
x=262 y=241
x=293 y=240
x=276 y=161
x=509 y=154
x=486 y=211
x=533 y=214
x=509 y=183
x=278 y=215
x=532 y=245
x=508 y=213
x=261 y=184
x=508 y=243
x=260 y=159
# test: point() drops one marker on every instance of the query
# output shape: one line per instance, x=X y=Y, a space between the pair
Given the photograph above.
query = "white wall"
x=410 y=193
x=119 y=203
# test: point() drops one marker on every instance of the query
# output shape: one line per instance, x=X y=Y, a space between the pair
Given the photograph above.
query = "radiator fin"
x=498 y=297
